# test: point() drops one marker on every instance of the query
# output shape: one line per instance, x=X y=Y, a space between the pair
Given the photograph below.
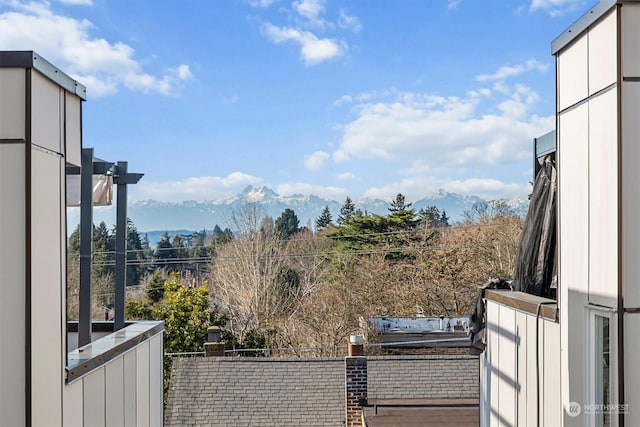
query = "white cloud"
x=507 y=71
x=346 y=176
x=77 y=2
x=487 y=188
x=340 y=156
x=263 y=4
x=557 y=8
x=452 y=4
x=349 y=21
x=312 y=49
x=312 y=11
x=232 y=99
x=196 y=188
x=344 y=99
x=316 y=160
x=433 y=133
x=417 y=187
x=327 y=192
x=67 y=42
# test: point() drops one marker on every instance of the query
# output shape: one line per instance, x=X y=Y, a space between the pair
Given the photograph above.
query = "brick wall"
x=355 y=369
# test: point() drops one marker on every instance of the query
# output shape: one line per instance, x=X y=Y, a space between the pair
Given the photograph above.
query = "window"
x=601 y=403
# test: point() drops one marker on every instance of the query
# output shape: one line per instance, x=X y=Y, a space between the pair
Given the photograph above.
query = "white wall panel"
x=572 y=74
x=46 y=272
x=130 y=388
x=573 y=201
x=142 y=384
x=73 y=138
x=551 y=374
x=507 y=366
x=94 y=398
x=46 y=115
x=12 y=103
x=603 y=54
x=493 y=362
x=630 y=37
x=632 y=368
x=156 y=387
x=114 y=392
x=12 y=279
x=603 y=199
x=530 y=381
x=630 y=193
x=73 y=407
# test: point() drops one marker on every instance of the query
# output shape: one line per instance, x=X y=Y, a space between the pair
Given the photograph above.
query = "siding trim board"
x=27 y=237
x=542 y=307
x=28 y=59
x=87 y=359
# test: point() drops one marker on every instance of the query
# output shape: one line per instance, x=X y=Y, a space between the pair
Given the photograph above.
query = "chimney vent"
x=214 y=334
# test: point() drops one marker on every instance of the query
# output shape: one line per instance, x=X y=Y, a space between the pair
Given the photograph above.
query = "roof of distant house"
x=293 y=391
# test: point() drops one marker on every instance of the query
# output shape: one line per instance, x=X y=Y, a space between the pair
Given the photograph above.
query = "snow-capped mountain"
x=150 y=215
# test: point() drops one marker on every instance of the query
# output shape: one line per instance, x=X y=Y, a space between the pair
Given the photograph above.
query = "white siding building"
x=116 y=380
x=583 y=366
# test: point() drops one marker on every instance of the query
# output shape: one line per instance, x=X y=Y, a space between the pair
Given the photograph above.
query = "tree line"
x=272 y=284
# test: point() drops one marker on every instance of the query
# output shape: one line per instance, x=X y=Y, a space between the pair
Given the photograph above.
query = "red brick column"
x=356 y=388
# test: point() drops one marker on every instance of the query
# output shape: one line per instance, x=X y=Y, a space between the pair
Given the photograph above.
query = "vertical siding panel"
x=530 y=381
x=73 y=407
x=493 y=347
x=572 y=74
x=602 y=55
x=114 y=392
x=603 y=199
x=573 y=227
x=507 y=366
x=551 y=392
x=94 y=399
x=12 y=266
x=632 y=368
x=521 y=365
x=155 y=380
x=630 y=180
x=12 y=104
x=46 y=114
x=142 y=385
x=630 y=37
x=46 y=299
x=130 y=388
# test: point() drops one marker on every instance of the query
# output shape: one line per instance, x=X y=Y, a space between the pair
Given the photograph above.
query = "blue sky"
x=358 y=98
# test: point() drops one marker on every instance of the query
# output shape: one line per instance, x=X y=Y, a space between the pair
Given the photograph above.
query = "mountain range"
x=152 y=215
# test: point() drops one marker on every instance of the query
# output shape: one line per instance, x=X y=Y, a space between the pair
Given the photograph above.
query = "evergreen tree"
x=324 y=220
x=217 y=231
x=399 y=204
x=155 y=286
x=287 y=224
x=432 y=216
x=103 y=251
x=164 y=250
x=444 y=219
x=347 y=211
